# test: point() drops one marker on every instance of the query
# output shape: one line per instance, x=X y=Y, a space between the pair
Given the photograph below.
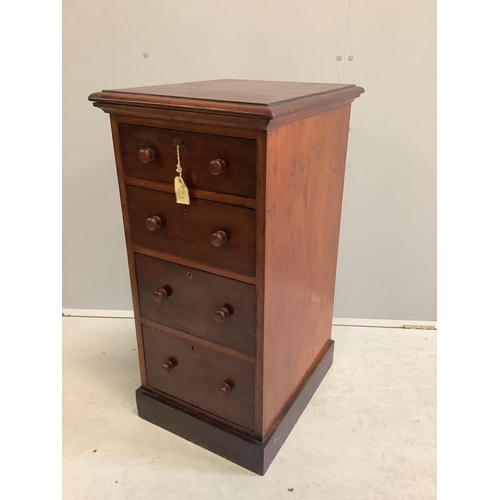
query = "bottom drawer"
x=211 y=380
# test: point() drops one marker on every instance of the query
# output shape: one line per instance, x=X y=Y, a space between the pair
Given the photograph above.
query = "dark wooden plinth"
x=238 y=448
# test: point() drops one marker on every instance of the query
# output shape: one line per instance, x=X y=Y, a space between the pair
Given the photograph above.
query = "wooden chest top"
x=259 y=98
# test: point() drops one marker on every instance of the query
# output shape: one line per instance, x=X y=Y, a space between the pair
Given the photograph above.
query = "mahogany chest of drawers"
x=233 y=292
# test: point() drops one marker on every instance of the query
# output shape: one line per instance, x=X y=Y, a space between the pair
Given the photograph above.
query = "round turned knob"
x=146 y=155
x=160 y=295
x=167 y=366
x=222 y=314
x=224 y=390
x=153 y=222
x=218 y=238
x=217 y=167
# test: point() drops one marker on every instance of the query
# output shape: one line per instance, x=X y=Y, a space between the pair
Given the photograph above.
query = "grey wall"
x=387 y=255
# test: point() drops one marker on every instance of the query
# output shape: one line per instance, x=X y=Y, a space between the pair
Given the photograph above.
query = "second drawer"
x=212 y=233
x=206 y=305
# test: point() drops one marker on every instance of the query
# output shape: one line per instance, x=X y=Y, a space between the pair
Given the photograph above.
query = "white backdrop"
x=387 y=255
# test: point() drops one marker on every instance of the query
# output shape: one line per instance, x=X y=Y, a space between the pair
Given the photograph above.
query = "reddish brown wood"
x=177 y=118
x=193 y=298
x=146 y=155
x=224 y=390
x=229 y=199
x=260 y=282
x=130 y=252
x=188 y=231
x=185 y=122
x=222 y=314
x=167 y=366
x=283 y=239
x=160 y=295
x=198 y=374
x=231 y=91
x=218 y=238
x=192 y=263
x=207 y=343
x=197 y=153
x=304 y=178
x=244 y=102
x=153 y=222
x=217 y=167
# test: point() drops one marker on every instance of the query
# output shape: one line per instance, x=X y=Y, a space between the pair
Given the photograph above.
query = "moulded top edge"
x=244 y=97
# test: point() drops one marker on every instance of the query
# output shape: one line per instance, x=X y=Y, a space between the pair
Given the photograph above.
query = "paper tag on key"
x=181 y=191
x=180 y=188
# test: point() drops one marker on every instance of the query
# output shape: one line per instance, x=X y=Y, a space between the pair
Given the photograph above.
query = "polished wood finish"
x=154 y=222
x=217 y=347
x=130 y=252
x=197 y=154
x=194 y=299
x=160 y=295
x=224 y=390
x=184 y=122
x=192 y=263
x=246 y=272
x=167 y=366
x=146 y=155
x=227 y=92
x=188 y=232
x=218 y=238
x=304 y=186
x=253 y=104
x=217 y=167
x=198 y=375
x=222 y=314
x=195 y=193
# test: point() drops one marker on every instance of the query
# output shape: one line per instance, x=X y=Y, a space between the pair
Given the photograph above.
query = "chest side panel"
x=304 y=182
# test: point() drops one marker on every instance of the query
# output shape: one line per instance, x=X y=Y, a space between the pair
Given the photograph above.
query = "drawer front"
x=187 y=231
x=218 y=309
x=198 y=374
x=239 y=157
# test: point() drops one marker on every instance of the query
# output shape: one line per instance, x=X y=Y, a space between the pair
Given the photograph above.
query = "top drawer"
x=233 y=170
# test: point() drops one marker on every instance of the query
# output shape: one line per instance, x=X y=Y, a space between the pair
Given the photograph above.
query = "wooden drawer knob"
x=146 y=155
x=217 y=167
x=153 y=222
x=218 y=238
x=222 y=314
x=160 y=295
x=224 y=390
x=167 y=366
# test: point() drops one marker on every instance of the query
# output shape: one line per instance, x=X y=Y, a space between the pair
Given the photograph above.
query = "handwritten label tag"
x=181 y=191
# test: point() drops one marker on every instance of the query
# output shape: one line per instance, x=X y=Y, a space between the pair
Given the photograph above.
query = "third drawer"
x=205 y=305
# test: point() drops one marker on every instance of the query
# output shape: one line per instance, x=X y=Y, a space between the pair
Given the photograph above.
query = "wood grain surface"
x=193 y=299
x=238 y=91
x=233 y=294
x=187 y=230
x=250 y=104
x=304 y=182
x=197 y=152
x=197 y=375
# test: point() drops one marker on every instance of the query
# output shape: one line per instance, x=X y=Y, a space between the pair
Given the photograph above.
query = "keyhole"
x=190 y=276
x=192 y=347
x=185 y=208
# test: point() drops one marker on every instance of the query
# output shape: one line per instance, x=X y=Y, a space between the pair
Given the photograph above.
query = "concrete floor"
x=368 y=433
